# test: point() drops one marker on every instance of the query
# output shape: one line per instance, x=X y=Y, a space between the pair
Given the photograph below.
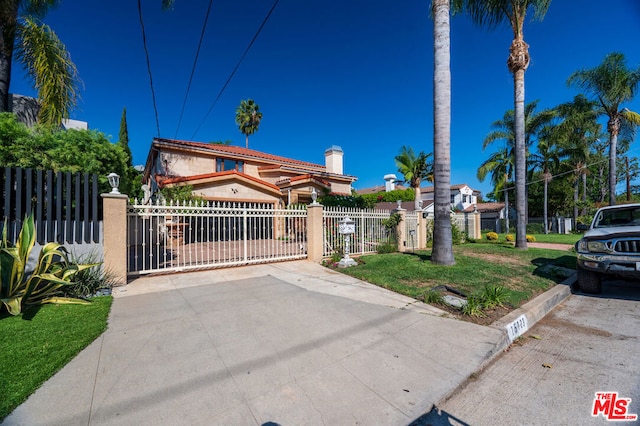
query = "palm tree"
x=547 y=160
x=42 y=55
x=577 y=132
x=491 y=13
x=442 y=253
x=415 y=169
x=500 y=166
x=248 y=118
x=612 y=84
x=504 y=130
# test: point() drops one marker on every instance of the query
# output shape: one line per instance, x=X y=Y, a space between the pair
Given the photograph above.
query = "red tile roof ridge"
x=232 y=149
x=164 y=181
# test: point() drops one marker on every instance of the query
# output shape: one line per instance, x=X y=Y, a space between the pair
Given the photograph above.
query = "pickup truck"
x=609 y=248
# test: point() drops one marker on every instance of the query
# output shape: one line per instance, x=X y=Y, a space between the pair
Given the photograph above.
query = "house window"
x=224 y=164
x=453 y=198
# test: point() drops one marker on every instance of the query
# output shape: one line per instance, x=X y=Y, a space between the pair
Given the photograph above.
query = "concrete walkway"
x=289 y=343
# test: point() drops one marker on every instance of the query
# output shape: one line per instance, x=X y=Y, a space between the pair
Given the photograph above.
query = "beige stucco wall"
x=237 y=191
x=178 y=164
x=340 y=188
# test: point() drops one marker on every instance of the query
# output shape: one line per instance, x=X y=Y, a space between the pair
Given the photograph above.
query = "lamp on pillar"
x=314 y=196
x=114 y=181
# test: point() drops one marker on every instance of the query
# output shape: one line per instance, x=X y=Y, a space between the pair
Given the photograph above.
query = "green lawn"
x=558 y=238
x=38 y=343
x=523 y=273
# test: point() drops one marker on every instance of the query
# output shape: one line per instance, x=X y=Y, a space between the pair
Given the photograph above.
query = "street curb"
x=534 y=311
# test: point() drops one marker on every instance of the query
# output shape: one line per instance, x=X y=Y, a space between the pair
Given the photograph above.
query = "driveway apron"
x=290 y=344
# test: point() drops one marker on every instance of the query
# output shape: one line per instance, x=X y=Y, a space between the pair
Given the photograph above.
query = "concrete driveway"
x=290 y=343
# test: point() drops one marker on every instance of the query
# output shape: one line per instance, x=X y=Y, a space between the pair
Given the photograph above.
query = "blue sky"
x=355 y=73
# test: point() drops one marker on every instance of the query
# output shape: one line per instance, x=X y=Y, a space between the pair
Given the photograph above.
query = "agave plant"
x=53 y=271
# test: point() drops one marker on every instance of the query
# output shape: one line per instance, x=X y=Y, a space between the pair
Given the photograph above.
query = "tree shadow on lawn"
x=556 y=269
x=421 y=256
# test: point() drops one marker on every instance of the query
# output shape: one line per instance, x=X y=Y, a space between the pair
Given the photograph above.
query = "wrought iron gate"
x=174 y=237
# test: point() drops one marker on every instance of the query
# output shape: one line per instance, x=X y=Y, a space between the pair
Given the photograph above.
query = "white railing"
x=173 y=237
x=369 y=231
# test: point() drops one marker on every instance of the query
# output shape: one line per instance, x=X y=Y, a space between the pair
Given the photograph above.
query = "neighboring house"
x=219 y=172
x=26 y=109
x=491 y=215
x=389 y=185
x=462 y=196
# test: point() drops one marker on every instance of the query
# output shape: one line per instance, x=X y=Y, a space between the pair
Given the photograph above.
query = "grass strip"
x=525 y=273
x=38 y=343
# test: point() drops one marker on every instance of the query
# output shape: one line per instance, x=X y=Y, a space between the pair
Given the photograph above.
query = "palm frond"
x=49 y=64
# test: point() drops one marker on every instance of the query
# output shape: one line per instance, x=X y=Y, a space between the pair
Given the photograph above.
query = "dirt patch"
x=490 y=315
x=552 y=246
x=553 y=321
x=496 y=258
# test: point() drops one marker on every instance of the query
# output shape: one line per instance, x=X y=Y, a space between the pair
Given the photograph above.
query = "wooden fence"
x=65 y=206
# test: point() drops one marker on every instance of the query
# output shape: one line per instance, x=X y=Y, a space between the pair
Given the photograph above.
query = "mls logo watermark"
x=612 y=407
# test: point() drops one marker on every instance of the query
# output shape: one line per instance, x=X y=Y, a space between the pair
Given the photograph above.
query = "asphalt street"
x=550 y=376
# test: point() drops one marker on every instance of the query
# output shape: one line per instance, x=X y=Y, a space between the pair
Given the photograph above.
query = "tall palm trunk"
x=584 y=191
x=416 y=202
x=576 y=197
x=517 y=63
x=506 y=206
x=442 y=253
x=614 y=128
x=545 y=207
x=8 y=19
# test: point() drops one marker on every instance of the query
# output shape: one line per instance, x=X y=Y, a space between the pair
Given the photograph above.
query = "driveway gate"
x=174 y=237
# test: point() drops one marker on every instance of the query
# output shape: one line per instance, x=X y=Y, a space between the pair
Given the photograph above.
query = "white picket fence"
x=369 y=231
x=174 y=237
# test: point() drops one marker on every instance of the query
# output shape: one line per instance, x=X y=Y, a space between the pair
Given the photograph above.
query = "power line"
x=605 y=160
x=193 y=69
x=236 y=68
x=146 y=52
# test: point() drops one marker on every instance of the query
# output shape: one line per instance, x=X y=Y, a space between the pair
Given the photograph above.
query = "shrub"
x=433 y=297
x=535 y=228
x=474 y=306
x=531 y=239
x=390 y=247
x=17 y=291
x=457 y=236
x=509 y=238
x=494 y=295
x=492 y=236
x=90 y=282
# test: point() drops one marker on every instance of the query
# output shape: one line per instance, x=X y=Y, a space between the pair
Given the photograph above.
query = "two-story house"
x=228 y=173
x=462 y=197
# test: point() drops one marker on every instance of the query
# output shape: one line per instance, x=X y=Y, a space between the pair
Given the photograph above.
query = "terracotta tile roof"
x=378 y=188
x=163 y=180
x=388 y=205
x=485 y=207
x=238 y=151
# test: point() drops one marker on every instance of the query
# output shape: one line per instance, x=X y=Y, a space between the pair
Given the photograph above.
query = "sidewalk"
x=287 y=343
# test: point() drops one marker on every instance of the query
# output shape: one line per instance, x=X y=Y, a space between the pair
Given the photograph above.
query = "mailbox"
x=347 y=226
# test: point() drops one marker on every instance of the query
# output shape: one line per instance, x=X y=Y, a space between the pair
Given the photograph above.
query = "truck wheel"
x=588 y=281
